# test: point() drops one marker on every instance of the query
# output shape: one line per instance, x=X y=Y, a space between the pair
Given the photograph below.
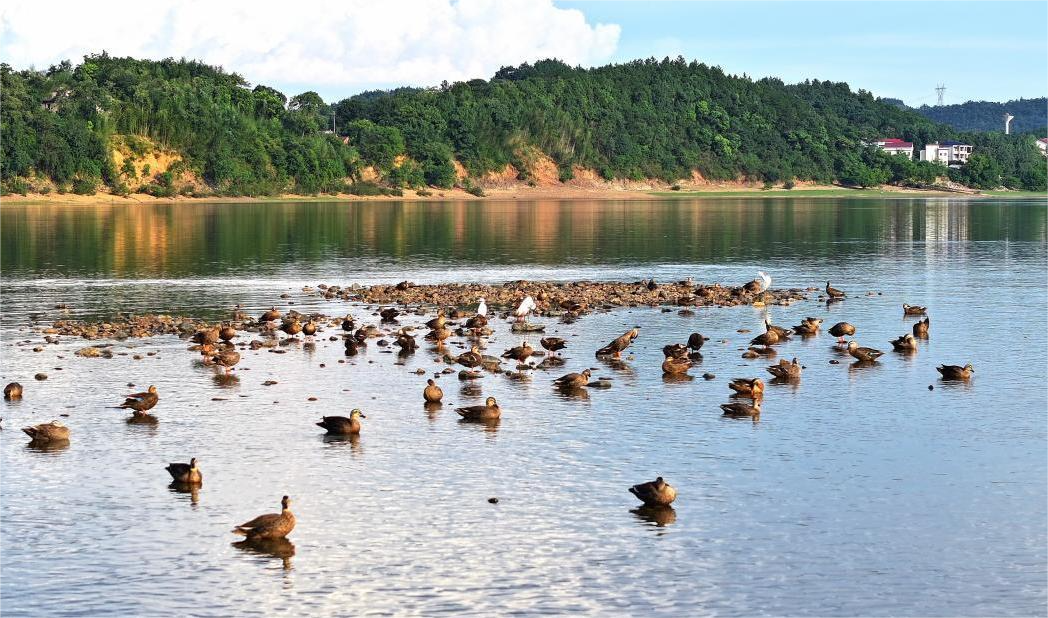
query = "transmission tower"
x=940 y=90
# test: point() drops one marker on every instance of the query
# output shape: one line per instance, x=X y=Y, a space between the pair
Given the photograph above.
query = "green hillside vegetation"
x=1031 y=115
x=640 y=120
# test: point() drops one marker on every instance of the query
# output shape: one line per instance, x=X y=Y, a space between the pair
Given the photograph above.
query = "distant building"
x=1043 y=145
x=895 y=146
x=947 y=153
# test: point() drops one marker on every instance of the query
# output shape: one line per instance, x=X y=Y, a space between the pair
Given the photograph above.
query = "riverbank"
x=519 y=193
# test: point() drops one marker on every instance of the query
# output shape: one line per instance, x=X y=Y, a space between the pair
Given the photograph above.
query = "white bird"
x=524 y=308
x=765 y=280
x=482 y=308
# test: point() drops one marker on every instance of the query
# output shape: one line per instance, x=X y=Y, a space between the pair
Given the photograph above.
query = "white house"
x=895 y=146
x=947 y=153
x=1043 y=145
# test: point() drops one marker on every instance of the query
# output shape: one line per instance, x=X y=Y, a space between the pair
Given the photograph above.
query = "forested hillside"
x=1030 y=115
x=170 y=126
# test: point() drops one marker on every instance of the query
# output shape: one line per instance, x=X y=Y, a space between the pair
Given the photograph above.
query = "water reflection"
x=189 y=489
x=660 y=516
x=283 y=549
x=48 y=446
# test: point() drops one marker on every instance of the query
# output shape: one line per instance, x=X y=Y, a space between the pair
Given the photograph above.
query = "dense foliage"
x=1031 y=115
x=642 y=119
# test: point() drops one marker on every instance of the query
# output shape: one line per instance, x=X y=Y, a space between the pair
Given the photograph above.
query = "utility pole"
x=333 y=123
x=940 y=90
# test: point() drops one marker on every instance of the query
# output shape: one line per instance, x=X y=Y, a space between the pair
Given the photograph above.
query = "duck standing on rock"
x=185 y=473
x=46 y=433
x=269 y=526
x=840 y=330
x=655 y=493
x=863 y=355
x=676 y=365
x=227 y=333
x=432 y=393
x=13 y=391
x=955 y=372
x=758 y=285
x=342 y=426
x=616 y=347
x=920 y=328
x=519 y=353
x=270 y=316
x=309 y=329
x=490 y=411
x=553 y=344
x=389 y=314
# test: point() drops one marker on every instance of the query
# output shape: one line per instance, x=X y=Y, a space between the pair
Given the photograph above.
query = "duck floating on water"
x=808 y=327
x=905 y=343
x=786 y=370
x=342 y=426
x=45 y=433
x=271 y=525
x=574 y=380
x=738 y=409
x=185 y=473
x=432 y=393
x=863 y=355
x=488 y=412
x=955 y=372
x=655 y=493
x=920 y=328
x=913 y=309
x=748 y=387
x=13 y=391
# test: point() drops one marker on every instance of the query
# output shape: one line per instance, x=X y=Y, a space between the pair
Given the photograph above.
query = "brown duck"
x=187 y=473
x=905 y=343
x=767 y=338
x=519 y=353
x=13 y=391
x=574 y=380
x=271 y=525
x=808 y=327
x=553 y=344
x=291 y=327
x=438 y=322
x=864 y=355
x=488 y=412
x=227 y=333
x=270 y=316
x=616 y=347
x=309 y=328
x=840 y=330
x=675 y=366
x=432 y=393
x=655 y=493
x=342 y=426
x=47 y=432
x=913 y=309
x=786 y=370
x=955 y=372
x=748 y=387
x=389 y=314
x=470 y=359
x=783 y=333
x=695 y=341
x=141 y=402
x=227 y=358
x=833 y=292
x=920 y=329
x=737 y=409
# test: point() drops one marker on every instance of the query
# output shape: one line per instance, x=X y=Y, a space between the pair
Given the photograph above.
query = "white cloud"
x=328 y=44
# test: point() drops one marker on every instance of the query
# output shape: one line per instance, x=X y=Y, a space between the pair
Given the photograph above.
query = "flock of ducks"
x=747 y=394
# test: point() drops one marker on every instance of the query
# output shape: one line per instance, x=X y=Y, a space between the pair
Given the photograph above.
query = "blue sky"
x=979 y=50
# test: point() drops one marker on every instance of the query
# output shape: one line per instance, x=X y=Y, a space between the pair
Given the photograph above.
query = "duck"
x=519 y=353
x=655 y=493
x=291 y=327
x=140 y=402
x=270 y=316
x=438 y=322
x=955 y=372
x=187 y=473
x=309 y=329
x=438 y=335
x=470 y=359
x=525 y=307
x=768 y=338
x=405 y=342
x=227 y=358
x=840 y=330
x=342 y=426
x=695 y=341
x=833 y=292
x=227 y=333
x=783 y=333
x=348 y=324
x=786 y=370
x=389 y=314
x=271 y=525
x=920 y=328
x=675 y=366
x=808 y=327
x=477 y=321
x=616 y=347
x=432 y=393
x=748 y=387
x=553 y=344
x=206 y=336
x=913 y=309
x=737 y=409
x=905 y=343
x=13 y=391
x=574 y=380
x=864 y=355
x=758 y=285
x=488 y=412
x=47 y=432
x=675 y=350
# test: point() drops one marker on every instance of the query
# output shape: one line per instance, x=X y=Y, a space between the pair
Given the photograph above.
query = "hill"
x=179 y=126
x=1030 y=115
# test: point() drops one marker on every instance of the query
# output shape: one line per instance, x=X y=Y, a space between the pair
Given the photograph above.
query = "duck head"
x=151 y=389
x=192 y=463
x=285 y=503
x=491 y=403
x=356 y=413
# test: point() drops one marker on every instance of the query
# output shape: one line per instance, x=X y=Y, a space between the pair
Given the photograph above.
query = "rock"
x=41 y=376
x=269 y=383
x=708 y=376
x=493 y=500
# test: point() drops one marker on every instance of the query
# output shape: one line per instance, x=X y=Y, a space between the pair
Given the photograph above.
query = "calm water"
x=859 y=492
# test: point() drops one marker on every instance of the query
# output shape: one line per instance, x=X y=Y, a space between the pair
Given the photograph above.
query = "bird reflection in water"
x=275 y=548
x=225 y=380
x=48 y=446
x=432 y=409
x=190 y=489
x=490 y=426
x=661 y=516
x=676 y=378
x=616 y=364
x=578 y=393
x=337 y=440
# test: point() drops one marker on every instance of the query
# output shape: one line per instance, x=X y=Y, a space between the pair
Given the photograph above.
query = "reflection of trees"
x=177 y=240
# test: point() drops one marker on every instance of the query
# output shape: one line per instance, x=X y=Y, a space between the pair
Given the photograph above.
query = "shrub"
x=16 y=185
x=120 y=189
x=767 y=185
x=472 y=189
x=675 y=188
x=145 y=170
x=85 y=186
x=789 y=184
x=128 y=168
x=566 y=173
x=424 y=193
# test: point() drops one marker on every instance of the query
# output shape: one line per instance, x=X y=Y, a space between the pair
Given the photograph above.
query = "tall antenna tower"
x=1008 y=122
x=940 y=90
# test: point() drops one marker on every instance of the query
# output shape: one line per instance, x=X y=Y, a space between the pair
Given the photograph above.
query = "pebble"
x=493 y=500
x=708 y=376
x=269 y=383
x=41 y=376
